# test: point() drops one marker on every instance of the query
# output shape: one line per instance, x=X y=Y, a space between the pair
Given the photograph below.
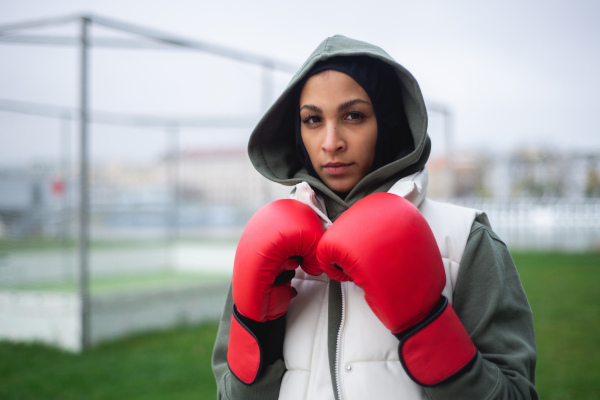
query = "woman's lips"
x=336 y=168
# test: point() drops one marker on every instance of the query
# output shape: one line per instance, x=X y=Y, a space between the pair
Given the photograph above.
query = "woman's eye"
x=311 y=119
x=354 y=116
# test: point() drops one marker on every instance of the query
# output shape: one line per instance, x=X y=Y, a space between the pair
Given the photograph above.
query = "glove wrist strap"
x=253 y=344
x=436 y=349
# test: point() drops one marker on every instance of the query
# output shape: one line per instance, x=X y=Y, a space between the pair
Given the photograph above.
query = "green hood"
x=272 y=146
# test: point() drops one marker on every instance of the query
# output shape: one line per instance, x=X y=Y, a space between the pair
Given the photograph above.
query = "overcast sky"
x=513 y=73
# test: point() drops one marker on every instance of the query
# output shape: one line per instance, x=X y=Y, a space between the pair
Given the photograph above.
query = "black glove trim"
x=435 y=312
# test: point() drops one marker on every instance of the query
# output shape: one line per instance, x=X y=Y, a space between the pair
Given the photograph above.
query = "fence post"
x=83 y=237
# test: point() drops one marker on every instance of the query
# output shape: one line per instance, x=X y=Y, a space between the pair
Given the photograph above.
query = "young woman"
x=359 y=287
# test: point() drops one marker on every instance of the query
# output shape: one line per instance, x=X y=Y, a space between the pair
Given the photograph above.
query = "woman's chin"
x=340 y=184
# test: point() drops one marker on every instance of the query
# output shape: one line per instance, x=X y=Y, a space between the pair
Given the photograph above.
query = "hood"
x=272 y=146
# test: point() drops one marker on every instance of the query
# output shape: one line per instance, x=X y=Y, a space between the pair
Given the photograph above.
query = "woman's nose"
x=333 y=140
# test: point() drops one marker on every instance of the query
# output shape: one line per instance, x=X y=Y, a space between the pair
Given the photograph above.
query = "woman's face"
x=339 y=129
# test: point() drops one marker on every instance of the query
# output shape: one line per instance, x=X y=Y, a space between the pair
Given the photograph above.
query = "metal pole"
x=84 y=189
x=173 y=183
x=268 y=85
x=6 y=29
x=449 y=151
x=65 y=145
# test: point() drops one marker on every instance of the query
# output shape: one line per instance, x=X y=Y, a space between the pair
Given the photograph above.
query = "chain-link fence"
x=140 y=181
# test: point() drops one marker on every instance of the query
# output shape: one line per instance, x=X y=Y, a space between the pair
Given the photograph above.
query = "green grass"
x=172 y=365
x=563 y=293
x=561 y=288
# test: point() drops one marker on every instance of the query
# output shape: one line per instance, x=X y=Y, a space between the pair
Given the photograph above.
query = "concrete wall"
x=115 y=316
x=54 y=318
x=46 y=317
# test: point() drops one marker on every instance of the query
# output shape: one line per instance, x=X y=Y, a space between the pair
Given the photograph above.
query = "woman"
x=397 y=296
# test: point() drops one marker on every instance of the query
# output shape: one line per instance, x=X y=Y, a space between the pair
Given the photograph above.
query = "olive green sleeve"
x=491 y=303
x=228 y=386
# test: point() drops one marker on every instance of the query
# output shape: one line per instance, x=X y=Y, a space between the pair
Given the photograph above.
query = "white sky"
x=514 y=73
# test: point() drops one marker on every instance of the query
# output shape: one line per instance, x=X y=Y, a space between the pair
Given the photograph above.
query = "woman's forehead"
x=331 y=85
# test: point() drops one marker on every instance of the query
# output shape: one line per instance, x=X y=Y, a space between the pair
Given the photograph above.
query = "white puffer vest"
x=367 y=364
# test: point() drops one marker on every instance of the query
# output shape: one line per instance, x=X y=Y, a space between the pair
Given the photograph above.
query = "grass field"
x=172 y=365
x=563 y=293
x=562 y=290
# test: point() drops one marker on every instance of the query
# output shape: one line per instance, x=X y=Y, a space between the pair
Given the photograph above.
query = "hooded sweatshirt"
x=272 y=146
x=488 y=296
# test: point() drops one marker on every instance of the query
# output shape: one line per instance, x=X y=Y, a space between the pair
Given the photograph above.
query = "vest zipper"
x=337 y=344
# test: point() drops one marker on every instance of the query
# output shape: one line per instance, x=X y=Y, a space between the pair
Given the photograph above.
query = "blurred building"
x=33 y=202
x=223 y=176
x=195 y=189
x=528 y=173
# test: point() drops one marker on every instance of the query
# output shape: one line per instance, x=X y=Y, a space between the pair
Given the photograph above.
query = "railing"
x=559 y=224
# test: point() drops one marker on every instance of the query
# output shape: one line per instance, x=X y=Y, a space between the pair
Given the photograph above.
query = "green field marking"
x=33 y=245
x=126 y=283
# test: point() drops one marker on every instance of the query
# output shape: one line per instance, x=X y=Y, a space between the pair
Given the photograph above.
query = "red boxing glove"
x=279 y=237
x=386 y=247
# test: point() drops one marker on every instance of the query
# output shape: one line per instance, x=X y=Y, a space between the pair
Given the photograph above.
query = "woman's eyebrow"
x=350 y=103
x=341 y=107
x=312 y=108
